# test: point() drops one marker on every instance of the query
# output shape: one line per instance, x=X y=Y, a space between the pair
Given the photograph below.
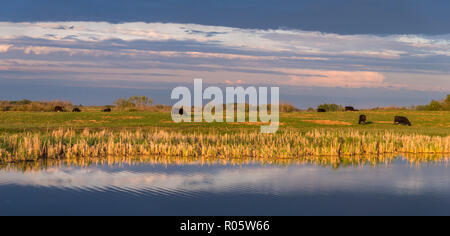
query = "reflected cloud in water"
x=171 y=186
x=399 y=178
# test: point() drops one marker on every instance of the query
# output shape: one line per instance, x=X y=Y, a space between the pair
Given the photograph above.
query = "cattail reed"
x=69 y=144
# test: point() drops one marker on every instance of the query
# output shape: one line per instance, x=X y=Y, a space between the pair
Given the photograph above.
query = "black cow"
x=59 y=109
x=401 y=120
x=107 y=110
x=362 y=119
x=76 y=109
x=321 y=110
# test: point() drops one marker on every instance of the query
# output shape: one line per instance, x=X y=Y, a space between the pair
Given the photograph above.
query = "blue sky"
x=363 y=52
x=337 y=16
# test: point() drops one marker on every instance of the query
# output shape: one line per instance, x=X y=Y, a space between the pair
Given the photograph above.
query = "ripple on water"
x=274 y=186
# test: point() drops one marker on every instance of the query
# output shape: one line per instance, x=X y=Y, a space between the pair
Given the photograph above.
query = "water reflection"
x=324 y=161
x=273 y=180
x=167 y=186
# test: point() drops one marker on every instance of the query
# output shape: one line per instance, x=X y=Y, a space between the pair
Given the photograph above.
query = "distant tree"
x=27 y=105
x=447 y=103
x=123 y=103
x=331 y=107
x=442 y=105
x=25 y=102
x=287 y=107
x=435 y=106
x=140 y=102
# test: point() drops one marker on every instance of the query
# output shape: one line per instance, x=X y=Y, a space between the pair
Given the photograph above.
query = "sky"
x=358 y=52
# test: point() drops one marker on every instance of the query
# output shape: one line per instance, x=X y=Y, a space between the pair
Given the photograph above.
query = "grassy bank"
x=26 y=136
x=424 y=122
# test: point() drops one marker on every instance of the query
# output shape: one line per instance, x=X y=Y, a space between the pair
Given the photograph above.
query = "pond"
x=221 y=188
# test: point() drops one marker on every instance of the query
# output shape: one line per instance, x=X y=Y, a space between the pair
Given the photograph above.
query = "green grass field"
x=30 y=136
x=424 y=122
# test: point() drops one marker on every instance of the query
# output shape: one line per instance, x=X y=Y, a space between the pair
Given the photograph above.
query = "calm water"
x=252 y=189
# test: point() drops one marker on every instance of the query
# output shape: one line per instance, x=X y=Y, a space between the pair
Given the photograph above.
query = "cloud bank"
x=168 y=52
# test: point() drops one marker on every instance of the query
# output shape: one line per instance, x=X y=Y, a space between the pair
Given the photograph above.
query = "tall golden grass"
x=69 y=144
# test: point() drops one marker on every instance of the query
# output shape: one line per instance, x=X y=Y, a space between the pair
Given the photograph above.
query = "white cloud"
x=238 y=82
x=292 y=41
x=425 y=42
x=323 y=78
x=39 y=50
x=218 y=54
x=5 y=47
x=44 y=50
x=386 y=54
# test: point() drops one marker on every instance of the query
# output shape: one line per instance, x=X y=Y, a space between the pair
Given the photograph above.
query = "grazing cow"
x=107 y=110
x=321 y=110
x=362 y=119
x=76 y=109
x=401 y=120
x=349 y=109
x=59 y=109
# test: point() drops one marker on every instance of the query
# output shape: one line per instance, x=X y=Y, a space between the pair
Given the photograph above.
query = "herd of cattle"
x=362 y=118
x=76 y=109
x=398 y=120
